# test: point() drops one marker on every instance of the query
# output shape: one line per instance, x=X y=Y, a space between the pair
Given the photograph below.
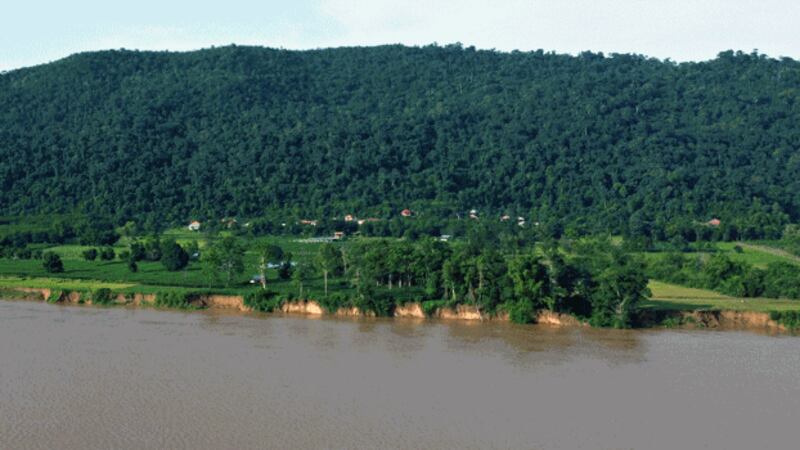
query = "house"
x=194 y=226
x=406 y=213
x=229 y=222
x=349 y=218
x=312 y=223
x=444 y=237
x=338 y=235
x=505 y=218
x=714 y=222
x=473 y=214
x=255 y=279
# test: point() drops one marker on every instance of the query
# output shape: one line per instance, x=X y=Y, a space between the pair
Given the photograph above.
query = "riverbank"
x=666 y=315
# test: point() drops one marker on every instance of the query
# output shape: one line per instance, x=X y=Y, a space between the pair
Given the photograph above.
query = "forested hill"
x=243 y=130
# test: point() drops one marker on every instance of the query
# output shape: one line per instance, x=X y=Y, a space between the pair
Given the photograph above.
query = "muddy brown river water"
x=94 y=378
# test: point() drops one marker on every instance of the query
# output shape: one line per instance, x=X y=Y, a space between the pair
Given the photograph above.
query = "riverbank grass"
x=671 y=297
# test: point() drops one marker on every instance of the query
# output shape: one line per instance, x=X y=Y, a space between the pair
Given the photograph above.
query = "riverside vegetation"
x=522 y=161
x=492 y=270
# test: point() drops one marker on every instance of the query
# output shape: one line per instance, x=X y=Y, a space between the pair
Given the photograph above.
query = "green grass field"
x=671 y=297
x=152 y=277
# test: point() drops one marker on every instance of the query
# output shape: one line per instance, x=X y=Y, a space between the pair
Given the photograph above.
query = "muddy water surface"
x=82 y=378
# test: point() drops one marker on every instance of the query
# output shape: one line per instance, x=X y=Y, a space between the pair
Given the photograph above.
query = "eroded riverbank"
x=709 y=319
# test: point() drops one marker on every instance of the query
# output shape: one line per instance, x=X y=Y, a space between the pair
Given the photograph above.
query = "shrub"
x=173 y=256
x=55 y=296
x=520 y=311
x=90 y=254
x=173 y=299
x=789 y=319
x=382 y=304
x=333 y=302
x=263 y=301
x=52 y=262
x=429 y=307
x=107 y=254
x=102 y=296
x=23 y=253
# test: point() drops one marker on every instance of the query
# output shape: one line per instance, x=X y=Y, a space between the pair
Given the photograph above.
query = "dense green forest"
x=620 y=143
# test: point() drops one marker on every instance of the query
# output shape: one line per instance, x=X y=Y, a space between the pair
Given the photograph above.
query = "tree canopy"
x=608 y=143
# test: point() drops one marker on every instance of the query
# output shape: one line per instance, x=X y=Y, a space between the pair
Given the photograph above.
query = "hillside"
x=590 y=140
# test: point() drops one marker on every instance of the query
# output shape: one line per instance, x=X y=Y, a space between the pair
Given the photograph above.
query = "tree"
x=173 y=256
x=301 y=275
x=619 y=287
x=530 y=278
x=107 y=254
x=327 y=260
x=224 y=259
x=132 y=266
x=52 y=262
x=138 y=251
x=90 y=254
x=286 y=268
x=268 y=254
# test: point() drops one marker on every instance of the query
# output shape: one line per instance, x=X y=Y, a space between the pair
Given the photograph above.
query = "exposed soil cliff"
x=687 y=319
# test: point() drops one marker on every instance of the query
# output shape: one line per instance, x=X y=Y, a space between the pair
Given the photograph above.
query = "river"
x=93 y=378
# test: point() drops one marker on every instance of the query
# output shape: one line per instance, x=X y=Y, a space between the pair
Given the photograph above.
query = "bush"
x=173 y=299
x=429 y=307
x=52 y=263
x=173 y=256
x=102 y=296
x=520 y=311
x=333 y=302
x=124 y=255
x=382 y=304
x=23 y=253
x=789 y=319
x=107 y=254
x=263 y=301
x=55 y=296
x=90 y=254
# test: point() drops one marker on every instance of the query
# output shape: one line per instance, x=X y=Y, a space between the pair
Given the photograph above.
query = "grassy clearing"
x=670 y=297
x=757 y=255
x=60 y=283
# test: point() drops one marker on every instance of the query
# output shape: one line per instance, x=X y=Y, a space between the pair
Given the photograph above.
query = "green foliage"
x=618 y=285
x=173 y=299
x=789 y=319
x=791 y=238
x=328 y=260
x=520 y=311
x=55 y=296
x=102 y=296
x=90 y=254
x=263 y=301
x=52 y=262
x=331 y=303
x=622 y=143
x=173 y=256
x=107 y=254
x=225 y=259
x=429 y=307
